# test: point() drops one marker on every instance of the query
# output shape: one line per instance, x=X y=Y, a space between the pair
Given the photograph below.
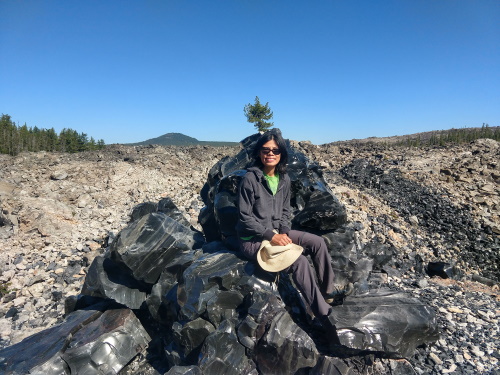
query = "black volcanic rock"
x=146 y=245
x=223 y=354
x=205 y=279
x=285 y=348
x=106 y=344
x=192 y=335
x=385 y=321
x=88 y=341
x=109 y=279
x=162 y=302
x=444 y=270
x=166 y=206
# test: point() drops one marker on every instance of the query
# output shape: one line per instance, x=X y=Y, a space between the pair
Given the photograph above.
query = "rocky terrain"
x=432 y=205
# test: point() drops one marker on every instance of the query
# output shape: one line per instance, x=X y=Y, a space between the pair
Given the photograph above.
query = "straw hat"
x=277 y=258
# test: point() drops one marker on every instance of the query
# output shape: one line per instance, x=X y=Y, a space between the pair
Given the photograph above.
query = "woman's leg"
x=303 y=275
x=315 y=247
x=250 y=248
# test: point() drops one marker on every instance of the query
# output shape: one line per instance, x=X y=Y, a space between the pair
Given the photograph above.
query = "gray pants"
x=301 y=270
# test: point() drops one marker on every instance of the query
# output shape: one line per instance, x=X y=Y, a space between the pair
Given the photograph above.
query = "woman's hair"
x=271 y=135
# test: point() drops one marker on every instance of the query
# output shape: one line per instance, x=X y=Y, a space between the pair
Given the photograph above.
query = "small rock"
x=452 y=368
x=477 y=352
x=435 y=359
x=422 y=283
x=5 y=328
x=59 y=175
x=19 y=301
x=12 y=312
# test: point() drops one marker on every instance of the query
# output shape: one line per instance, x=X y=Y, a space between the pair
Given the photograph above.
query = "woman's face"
x=269 y=160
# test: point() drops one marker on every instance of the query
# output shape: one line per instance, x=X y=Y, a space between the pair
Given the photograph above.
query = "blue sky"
x=126 y=71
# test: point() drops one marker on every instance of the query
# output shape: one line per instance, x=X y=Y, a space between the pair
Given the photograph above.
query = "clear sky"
x=126 y=71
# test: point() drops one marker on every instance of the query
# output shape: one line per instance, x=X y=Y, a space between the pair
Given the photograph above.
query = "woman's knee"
x=314 y=242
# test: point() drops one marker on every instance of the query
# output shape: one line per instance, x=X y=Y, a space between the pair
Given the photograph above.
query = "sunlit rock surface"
x=107 y=279
x=107 y=344
x=285 y=347
x=162 y=302
x=222 y=353
x=88 y=342
x=385 y=321
x=149 y=243
x=203 y=282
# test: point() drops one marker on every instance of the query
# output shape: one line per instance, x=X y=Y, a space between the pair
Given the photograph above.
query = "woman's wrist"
x=268 y=234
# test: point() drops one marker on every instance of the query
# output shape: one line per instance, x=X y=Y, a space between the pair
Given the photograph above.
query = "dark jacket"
x=260 y=212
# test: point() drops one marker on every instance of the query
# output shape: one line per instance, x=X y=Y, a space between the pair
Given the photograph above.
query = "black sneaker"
x=339 y=293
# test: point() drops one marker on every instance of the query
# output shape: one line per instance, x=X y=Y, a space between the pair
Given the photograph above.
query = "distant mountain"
x=178 y=139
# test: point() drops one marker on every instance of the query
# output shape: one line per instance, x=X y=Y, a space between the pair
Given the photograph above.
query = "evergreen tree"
x=7 y=130
x=15 y=139
x=259 y=114
x=51 y=140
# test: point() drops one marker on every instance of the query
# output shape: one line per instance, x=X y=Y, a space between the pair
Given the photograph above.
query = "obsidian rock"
x=145 y=246
x=162 y=302
x=385 y=321
x=166 y=206
x=109 y=279
x=88 y=341
x=444 y=270
x=203 y=280
x=223 y=354
x=285 y=348
x=434 y=211
x=192 y=335
x=106 y=344
x=184 y=370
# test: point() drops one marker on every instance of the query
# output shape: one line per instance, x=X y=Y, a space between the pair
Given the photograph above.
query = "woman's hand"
x=280 y=240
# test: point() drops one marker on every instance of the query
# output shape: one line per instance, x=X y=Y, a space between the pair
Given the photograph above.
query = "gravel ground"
x=58 y=209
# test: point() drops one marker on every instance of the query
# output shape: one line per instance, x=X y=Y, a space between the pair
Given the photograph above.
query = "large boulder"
x=385 y=321
x=87 y=342
x=148 y=244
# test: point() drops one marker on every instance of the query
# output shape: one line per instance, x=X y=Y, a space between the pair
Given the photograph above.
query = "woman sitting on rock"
x=265 y=234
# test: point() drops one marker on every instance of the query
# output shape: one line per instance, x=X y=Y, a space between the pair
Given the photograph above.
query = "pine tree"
x=259 y=114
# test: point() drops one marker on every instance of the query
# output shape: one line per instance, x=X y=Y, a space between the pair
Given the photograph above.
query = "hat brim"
x=277 y=258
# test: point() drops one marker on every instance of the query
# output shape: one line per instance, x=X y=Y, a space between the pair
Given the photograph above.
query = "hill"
x=178 y=139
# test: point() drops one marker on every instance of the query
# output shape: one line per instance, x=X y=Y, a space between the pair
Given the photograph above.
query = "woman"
x=264 y=214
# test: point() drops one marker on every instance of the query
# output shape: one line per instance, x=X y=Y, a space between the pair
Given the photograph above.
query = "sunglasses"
x=267 y=150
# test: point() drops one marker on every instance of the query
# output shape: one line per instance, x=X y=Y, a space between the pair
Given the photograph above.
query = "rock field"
x=432 y=205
